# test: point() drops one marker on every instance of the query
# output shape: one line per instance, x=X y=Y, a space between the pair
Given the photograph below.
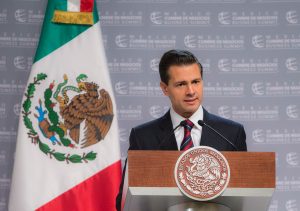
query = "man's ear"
x=164 y=88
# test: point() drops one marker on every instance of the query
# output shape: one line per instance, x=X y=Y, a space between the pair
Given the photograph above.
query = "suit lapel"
x=165 y=135
x=208 y=138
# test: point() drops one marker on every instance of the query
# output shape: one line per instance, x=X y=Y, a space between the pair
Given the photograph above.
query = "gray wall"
x=250 y=50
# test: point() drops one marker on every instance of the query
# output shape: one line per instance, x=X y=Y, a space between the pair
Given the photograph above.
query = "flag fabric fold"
x=67 y=154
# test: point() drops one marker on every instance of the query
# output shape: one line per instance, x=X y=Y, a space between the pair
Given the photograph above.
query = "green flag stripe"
x=54 y=35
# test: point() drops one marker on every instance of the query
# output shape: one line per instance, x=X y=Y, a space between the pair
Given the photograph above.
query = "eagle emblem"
x=202 y=173
x=68 y=116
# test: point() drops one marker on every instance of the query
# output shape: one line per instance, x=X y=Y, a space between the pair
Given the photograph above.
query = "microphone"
x=181 y=124
x=202 y=123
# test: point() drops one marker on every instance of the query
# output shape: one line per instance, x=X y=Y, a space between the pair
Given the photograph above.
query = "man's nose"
x=190 y=89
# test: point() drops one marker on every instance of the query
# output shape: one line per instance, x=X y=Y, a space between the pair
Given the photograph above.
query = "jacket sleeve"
x=241 y=139
x=133 y=140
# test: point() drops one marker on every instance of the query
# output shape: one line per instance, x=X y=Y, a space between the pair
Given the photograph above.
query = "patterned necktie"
x=187 y=141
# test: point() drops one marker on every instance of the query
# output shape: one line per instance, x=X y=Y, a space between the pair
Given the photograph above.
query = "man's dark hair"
x=176 y=58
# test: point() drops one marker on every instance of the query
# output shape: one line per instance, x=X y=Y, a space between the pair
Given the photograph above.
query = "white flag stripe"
x=73 y=5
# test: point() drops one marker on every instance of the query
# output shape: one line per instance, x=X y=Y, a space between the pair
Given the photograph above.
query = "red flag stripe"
x=86 y=5
x=98 y=193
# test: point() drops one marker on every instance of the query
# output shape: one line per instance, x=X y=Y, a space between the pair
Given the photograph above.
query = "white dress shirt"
x=196 y=130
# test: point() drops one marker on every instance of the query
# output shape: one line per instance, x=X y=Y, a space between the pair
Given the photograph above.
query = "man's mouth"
x=190 y=100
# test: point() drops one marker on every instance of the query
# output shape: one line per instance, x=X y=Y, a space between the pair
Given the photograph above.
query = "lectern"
x=149 y=183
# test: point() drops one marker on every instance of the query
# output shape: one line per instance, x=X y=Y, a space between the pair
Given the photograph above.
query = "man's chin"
x=189 y=113
x=192 y=107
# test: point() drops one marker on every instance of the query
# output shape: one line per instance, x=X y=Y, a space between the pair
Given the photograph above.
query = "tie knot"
x=188 y=124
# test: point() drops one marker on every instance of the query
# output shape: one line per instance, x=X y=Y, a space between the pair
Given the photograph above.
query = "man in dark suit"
x=161 y=139
x=181 y=77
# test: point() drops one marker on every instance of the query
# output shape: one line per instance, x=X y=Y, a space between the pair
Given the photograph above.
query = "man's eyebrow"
x=179 y=82
x=184 y=81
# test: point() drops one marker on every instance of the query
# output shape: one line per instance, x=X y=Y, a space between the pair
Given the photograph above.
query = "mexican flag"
x=67 y=154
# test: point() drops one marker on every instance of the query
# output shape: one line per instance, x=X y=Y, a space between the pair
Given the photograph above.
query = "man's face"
x=185 y=89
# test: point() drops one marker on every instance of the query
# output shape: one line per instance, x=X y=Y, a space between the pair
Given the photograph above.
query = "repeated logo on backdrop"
x=252 y=18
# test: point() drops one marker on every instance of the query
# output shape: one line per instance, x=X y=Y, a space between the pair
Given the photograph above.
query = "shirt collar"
x=176 y=118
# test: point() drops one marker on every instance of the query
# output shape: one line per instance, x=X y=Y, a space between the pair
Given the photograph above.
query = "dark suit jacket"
x=157 y=135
